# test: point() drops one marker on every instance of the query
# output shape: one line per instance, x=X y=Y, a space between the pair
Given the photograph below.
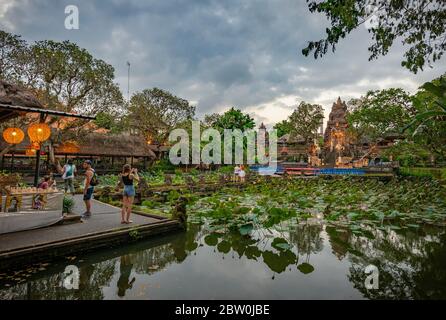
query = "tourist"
x=69 y=170
x=236 y=173
x=127 y=179
x=45 y=183
x=89 y=184
x=242 y=174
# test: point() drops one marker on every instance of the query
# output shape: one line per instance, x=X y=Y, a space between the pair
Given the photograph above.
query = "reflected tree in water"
x=411 y=263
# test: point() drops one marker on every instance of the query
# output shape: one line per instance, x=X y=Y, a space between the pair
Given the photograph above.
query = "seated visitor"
x=45 y=183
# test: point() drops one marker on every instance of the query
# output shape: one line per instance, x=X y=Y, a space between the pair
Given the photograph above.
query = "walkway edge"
x=85 y=243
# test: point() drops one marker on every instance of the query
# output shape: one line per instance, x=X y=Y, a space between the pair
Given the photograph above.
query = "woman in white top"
x=242 y=174
x=69 y=170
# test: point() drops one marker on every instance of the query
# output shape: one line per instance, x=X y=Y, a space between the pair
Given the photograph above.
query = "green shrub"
x=68 y=204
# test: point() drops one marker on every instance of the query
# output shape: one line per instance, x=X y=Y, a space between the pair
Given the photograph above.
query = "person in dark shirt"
x=128 y=176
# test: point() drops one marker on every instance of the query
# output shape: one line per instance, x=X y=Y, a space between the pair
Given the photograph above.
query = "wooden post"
x=12 y=160
x=37 y=171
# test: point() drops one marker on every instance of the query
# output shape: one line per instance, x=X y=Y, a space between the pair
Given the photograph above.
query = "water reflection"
x=125 y=270
x=294 y=261
x=411 y=262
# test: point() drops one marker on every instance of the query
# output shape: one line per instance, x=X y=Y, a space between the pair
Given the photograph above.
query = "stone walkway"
x=105 y=219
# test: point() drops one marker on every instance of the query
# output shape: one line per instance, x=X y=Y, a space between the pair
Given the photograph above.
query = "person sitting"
x=45 y=183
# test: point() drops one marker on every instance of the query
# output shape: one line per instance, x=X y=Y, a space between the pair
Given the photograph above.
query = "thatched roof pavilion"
x=119 y=145
x=14 y=96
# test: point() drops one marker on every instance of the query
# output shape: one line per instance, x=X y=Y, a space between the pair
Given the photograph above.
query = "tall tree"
x=232 y=119
x=379 y=113
x=421 y=25
x=64 y=77
x=155 y=112
x=13 y=53
x=428 y=126
x=306 y=120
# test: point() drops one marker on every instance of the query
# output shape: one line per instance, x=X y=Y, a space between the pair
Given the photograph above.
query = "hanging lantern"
x=30 y=151
x=39 y=132
x=13 y=135
x=35 y=145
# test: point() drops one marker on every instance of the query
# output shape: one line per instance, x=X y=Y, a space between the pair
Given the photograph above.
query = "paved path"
x=105 y=218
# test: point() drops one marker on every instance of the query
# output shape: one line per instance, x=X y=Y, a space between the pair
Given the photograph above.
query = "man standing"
x=88 y=186
x=69 y=170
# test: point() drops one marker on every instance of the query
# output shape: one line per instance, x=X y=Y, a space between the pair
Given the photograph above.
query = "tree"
x=13 y=52
x=64 y=77
x=420 y=24
x=306 y=120
x=110 y=121
x=428 y=126
x=379 y=113
x=155 y=112
x=284 y=127
x=232 y=119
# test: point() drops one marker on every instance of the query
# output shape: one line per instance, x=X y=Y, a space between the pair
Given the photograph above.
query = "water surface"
x=319 y=262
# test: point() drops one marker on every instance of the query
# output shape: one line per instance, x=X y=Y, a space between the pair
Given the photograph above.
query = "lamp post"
x=128 y=83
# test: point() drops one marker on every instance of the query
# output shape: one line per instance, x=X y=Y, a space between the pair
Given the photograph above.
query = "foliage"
x=428 y=126
x=284 y=127
x=155 y=112
x=306 y=120
x=231 y=119
x=420 y=24
x=424 y=172
x=110 y=121
x=64 y=77
x=409 y=153
x=68 y=204
x=379 y=113
x=13 y=56
x=279 y=204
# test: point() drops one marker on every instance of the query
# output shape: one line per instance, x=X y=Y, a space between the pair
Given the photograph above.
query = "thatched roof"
x=116 y=145
x=13 y=95
x=291 y=139
x=95 y=144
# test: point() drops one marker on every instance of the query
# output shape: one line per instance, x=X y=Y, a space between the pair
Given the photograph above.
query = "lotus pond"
x=278 y=239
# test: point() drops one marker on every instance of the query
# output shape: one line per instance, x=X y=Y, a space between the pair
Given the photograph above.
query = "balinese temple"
x=340 y=148
x=337 y=142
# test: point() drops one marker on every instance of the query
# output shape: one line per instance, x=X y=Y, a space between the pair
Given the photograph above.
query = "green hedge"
x=437 y=173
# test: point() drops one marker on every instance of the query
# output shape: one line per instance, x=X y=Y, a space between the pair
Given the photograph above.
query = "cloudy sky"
x=218 y=53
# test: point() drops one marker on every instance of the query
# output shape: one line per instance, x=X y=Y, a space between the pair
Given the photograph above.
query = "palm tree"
x=437 y=89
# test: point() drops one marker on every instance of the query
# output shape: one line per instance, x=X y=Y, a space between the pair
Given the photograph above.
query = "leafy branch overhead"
x=421 y=26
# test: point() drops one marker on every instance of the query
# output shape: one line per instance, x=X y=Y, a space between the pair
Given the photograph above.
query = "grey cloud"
x=218 y=53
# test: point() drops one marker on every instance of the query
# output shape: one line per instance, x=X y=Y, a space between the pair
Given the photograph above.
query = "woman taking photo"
x=128 y=177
